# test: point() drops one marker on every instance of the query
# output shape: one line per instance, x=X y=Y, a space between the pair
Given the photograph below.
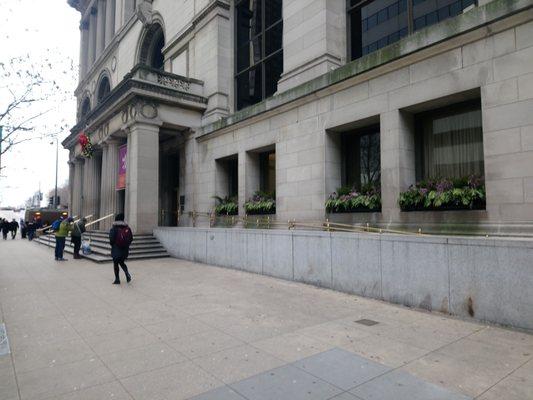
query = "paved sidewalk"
x=182 y=330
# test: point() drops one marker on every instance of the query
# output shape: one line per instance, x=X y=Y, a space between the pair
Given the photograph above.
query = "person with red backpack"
x=120 y=238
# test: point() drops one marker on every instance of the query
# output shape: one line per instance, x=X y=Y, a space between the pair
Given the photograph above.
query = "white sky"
x=41 y=28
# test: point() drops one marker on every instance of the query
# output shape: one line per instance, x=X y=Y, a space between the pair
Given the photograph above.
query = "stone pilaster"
x=109 y=21
x=397 y=159
x=313 y=46
x=92 y=39
x=100 y=27
x=77 y=188
x=84 y=48
x=142 y=177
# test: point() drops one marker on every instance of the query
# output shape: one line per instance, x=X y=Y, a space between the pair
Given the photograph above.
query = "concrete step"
x=146 y=247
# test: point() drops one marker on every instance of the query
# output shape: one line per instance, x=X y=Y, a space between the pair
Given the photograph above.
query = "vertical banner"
x=122 y=165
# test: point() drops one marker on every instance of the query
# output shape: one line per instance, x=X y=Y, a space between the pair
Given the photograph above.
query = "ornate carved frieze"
x=173 y=82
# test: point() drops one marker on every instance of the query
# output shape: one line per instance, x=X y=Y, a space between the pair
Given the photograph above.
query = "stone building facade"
x=298 y=98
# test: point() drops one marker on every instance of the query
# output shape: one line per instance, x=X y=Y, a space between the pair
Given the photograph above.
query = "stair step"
x=143 y=247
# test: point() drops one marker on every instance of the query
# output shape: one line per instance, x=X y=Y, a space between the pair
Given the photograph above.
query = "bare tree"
x=29 y=90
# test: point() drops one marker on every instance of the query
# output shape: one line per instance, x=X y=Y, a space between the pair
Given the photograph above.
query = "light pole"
x=54 y=203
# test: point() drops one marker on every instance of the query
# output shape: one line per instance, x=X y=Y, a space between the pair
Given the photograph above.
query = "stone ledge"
x=475 y=18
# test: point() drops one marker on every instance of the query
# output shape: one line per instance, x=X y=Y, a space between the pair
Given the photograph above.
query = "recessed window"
x=449 y=142
x=361 y=158
x=378 y=23
x=259 y=50
x=267 y=172
x=85 y=107
x=103 y=89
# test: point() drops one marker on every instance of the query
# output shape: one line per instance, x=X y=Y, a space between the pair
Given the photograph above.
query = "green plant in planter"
x=348 y=199
x=226 y=206
x=261 y=203
x=445 y=194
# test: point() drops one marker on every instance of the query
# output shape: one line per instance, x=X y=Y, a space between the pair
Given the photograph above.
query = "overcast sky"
x=43 y=29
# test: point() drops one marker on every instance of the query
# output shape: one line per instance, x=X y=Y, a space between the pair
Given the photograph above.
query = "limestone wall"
x=486 y=279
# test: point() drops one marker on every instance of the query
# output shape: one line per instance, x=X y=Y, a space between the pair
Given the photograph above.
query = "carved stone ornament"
x=173 y=82
x=143 y=108
x=144 y=12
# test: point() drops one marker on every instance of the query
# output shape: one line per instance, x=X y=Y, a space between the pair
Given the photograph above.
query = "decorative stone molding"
x=144 y=12
x=176 y=83
x=137 y=108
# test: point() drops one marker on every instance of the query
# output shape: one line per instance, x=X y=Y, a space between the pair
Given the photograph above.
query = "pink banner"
x=122 y=165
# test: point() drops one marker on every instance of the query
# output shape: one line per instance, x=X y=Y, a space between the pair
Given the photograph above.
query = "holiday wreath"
x=86 y=145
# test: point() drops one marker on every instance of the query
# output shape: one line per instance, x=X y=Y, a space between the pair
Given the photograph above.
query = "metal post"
x=57 y=166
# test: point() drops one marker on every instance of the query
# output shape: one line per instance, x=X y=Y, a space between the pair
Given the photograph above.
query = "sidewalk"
x=182 y=330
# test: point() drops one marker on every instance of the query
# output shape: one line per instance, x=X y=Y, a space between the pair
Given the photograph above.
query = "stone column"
x=77 y=188
x=91 y=186
x=100 y=27
x=92 y=39
x=142 y=176
x=71 y=172
x=397 y=138
x=108 y=193
x=84 y=48
x=109 y=21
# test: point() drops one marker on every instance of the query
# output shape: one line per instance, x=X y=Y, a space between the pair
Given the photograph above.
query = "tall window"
x=449 y=142
x=267 y=172
x=361 y=158
x=259 y=50
x=151 y=53
x=374 y=24
x=103 y=89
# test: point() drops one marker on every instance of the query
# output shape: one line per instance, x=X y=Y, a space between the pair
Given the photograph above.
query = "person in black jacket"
x=5 y=228
x=120 y=238
x=14 y=227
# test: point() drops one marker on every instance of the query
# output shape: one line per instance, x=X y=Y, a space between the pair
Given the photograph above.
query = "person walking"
x=31 y=229
x=23 y=228
x=5 y=228
x=120 y=238
x=78 y=228
x=14 y=227
x=61 y=233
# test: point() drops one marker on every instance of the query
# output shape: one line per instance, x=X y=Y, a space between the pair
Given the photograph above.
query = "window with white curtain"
x=449 y=142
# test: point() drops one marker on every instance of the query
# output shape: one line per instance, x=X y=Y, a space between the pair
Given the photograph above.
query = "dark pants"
x=60 y=246
x=76 y=241
x=23 y=233
x=116 y=263
x=13 y=234
x=31 y=235
x=4 y=234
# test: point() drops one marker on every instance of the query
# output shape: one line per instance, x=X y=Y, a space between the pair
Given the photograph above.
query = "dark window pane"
x=431 y=18
x=274 y=39
x=273 y=9
x=382 y=16
x=456 y=8
x=249 y=54
x=248 y=20
x=361 y=158
x=249 y=86
x=267 y=172
x=273 y=71
x=375 y=25
x=393 y=10
x=420 y=23
x=444 y=13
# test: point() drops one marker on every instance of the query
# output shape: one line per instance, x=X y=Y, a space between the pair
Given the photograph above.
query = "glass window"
x=259 y=53
x=374 y=24
x=449 y=142
x=361 y=158
x=267 y=172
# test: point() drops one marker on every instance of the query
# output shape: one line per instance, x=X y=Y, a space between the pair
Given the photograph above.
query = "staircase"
x=143 y=246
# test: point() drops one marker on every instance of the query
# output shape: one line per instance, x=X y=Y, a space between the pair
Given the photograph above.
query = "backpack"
x=56 y=224
x=124 y=237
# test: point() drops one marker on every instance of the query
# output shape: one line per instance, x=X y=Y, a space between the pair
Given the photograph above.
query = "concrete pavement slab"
x=71 y=311
x=343 y=369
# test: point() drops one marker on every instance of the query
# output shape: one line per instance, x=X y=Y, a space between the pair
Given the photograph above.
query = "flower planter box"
x=459 y=207
x=355 y=210
x=269 y=212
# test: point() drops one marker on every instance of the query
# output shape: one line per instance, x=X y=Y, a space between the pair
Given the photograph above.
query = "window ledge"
x=475 y=18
